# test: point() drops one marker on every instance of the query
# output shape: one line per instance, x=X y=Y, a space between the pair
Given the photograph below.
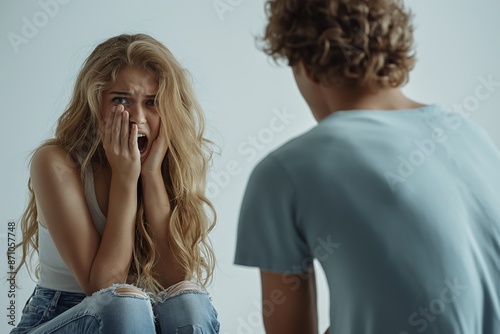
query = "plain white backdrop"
x=43 y=44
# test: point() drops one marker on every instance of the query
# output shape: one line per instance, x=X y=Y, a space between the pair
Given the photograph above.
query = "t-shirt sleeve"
x=268 y=236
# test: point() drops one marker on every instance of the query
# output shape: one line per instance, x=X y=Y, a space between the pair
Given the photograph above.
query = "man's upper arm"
x=268 y=234
x=270 y=238
x=289 y=302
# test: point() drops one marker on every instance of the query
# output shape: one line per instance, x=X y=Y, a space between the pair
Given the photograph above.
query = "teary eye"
x=151 y=103
x=120 y=100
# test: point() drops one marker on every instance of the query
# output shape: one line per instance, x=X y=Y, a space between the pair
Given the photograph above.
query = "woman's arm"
x=96 y=262
x=156 y=205
x=167 y=269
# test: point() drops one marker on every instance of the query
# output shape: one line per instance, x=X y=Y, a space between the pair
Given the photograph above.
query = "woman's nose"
x=137 y=115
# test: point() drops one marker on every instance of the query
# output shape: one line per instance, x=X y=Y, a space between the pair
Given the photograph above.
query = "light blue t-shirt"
x=402 y=210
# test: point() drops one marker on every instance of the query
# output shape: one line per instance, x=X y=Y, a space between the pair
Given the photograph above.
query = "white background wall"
x=240 y=89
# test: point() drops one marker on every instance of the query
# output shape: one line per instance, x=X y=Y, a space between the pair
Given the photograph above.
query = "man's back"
x=402 y=209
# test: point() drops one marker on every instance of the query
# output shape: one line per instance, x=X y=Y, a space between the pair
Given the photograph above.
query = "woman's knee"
x=124 y=308
x=185 y=310
x=124 y=299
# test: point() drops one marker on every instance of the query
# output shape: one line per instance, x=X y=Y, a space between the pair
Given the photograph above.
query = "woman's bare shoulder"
x=53 y=160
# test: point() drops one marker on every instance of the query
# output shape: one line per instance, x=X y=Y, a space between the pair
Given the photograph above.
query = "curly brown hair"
x=343 y=42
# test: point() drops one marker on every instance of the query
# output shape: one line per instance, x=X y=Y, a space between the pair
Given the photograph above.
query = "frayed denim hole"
x=161 y=298
x=106 y=289
x=132 y=292
x=116 y=286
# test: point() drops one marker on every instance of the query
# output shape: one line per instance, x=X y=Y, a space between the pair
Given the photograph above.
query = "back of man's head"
x=343 y=42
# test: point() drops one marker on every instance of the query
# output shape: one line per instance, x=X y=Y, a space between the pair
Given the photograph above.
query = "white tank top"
x=54 y=274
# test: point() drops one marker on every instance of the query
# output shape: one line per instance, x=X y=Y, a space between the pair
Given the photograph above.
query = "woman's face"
x=136 y=90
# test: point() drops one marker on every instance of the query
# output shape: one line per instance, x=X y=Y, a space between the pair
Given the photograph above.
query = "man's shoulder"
x=310 y=144
x=292 y=154
x=301 y=143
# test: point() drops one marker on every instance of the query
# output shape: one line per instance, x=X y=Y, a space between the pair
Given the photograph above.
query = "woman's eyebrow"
x=120 y=93
x=128 y=94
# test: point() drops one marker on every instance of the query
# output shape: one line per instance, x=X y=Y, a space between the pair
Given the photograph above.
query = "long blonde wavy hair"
x=184 y=167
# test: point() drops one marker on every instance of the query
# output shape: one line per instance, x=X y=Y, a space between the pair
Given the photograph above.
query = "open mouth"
x=142 y=142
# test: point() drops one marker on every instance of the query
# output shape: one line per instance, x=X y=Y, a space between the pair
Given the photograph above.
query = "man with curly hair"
x=398 y=201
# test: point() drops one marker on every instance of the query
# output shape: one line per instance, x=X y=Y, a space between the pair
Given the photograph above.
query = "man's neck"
x=363 y=99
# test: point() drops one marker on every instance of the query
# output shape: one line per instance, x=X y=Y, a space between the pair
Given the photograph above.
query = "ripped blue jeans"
x=121 y=308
